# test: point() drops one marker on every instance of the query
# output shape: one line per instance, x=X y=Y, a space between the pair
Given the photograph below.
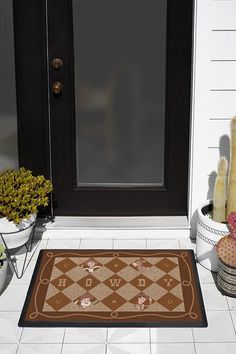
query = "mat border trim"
x=191 y=323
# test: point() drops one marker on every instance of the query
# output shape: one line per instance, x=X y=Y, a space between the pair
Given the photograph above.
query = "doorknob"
x=57 y=63
x=57 y=87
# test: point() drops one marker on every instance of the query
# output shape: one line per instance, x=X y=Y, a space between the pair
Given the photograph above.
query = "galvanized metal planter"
x=226 y=279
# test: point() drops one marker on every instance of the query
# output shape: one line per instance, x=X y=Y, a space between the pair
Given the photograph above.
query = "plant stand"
x=12 y=259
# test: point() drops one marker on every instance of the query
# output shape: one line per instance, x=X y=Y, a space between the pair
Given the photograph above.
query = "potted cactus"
x=226 y=250
x=212 y=215
x=3 y=268
x=21 y=195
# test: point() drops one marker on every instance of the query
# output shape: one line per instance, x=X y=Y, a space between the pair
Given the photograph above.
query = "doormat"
x=112 y=288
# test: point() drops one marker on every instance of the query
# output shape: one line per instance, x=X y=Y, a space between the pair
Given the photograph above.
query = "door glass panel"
x=120 y=69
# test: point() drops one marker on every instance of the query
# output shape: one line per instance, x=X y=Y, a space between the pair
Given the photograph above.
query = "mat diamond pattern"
x=87 y=279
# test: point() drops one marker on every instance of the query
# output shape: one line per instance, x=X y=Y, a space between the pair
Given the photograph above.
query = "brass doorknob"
x=57 y=63
x=57 y=87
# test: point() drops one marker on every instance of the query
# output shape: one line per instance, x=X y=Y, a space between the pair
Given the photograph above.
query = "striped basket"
x=226 y=279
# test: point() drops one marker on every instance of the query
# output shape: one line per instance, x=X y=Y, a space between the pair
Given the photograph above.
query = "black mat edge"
x=22 y=322
x=193 y=324
x=204 y=322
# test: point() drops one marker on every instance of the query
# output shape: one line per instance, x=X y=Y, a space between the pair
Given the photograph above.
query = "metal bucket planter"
x=209 y=232
x=13 y=235
x=226 y=279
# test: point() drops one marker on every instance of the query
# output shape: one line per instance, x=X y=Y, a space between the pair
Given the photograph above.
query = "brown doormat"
x=112 y=288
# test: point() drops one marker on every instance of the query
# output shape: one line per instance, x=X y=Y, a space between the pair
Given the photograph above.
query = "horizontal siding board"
x=222 y=105
x=223 y=75
x=223 y=14
x=223 y=45
x=219 y=132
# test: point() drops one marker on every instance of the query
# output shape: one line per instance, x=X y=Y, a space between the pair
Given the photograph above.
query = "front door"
x=117 y=103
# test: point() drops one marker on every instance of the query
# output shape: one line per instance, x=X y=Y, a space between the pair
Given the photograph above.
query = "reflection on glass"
x=120 y=55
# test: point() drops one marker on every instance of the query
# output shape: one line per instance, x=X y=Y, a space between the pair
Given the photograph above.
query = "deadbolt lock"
x=57 y=63
x=57 y=87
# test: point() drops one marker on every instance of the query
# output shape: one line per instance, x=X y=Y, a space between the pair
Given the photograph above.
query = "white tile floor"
x=219 y=337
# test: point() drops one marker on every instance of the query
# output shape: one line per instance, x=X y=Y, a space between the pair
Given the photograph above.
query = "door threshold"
x=170 y=227
x=119 y=222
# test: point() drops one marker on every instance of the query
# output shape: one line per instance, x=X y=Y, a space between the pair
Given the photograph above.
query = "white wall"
x=214 y=93
x=8 y=124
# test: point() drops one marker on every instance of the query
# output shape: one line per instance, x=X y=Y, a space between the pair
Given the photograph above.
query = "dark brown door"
x=117 y=104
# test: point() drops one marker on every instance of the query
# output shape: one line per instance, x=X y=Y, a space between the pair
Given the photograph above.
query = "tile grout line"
x=174 y=342
x=16 y=348
x=21 y=334
x=94 y=343
x=63 y=340
x=232 y=321
x=228 y=303
x=115 y=343
x=194 y=343
x=47 y=240
x=46 y=246
x=19 y=341
x=106 y=347
x=150 y=340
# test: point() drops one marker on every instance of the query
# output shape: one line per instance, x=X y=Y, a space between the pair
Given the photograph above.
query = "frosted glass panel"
x=120 y=69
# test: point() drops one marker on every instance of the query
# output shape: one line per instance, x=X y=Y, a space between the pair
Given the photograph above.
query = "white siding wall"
x=214 y=93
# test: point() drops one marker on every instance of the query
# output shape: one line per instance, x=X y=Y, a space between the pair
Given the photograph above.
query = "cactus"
x=231 y=199
x=219 y=198
x=220 y=184
x=226 y=249
x=226 y=246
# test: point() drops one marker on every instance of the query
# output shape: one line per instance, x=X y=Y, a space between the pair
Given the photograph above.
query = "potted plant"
x=212 y=215
x=21 y=195
x=3 y=268
x=226 y=250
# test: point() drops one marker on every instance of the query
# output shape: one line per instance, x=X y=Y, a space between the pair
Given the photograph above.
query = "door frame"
x=34 y=112
x=31 y=75
x=30 y=40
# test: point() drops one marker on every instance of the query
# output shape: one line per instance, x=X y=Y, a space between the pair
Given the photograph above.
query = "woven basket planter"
x=209 y=232
x=226 y=279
